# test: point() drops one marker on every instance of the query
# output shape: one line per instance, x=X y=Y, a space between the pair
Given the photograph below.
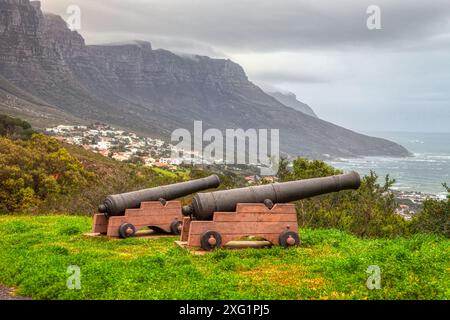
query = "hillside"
x=41 y=174
x=17 y=102
x=36 y=251
x=131 y=85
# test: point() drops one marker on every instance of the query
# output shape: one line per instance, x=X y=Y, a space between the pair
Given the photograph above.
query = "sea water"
x=425 y=171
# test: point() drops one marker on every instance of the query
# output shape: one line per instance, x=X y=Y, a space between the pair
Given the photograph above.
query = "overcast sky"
x=395 y=78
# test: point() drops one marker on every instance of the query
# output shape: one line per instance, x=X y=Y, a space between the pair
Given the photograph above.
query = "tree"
x=14 y=128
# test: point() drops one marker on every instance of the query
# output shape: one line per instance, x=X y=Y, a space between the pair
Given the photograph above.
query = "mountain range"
x=48 y=75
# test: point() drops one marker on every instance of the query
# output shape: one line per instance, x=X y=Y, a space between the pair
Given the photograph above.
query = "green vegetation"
x=14 y=128
x=434 y=217
x=366 y=212
x=35 y=253
x=41 y=174
x=34 y=170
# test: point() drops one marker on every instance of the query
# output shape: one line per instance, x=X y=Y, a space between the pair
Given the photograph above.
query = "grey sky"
x=396 y=78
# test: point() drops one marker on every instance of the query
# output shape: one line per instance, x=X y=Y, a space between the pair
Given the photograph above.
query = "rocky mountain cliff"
x=133 y=86
x=289 y=99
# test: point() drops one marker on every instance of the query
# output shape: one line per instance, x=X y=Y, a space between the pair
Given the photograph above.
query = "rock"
x=131 y=85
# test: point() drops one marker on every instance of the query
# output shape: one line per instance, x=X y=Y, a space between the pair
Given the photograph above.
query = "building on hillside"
x=252 y=179
x=104 y=153
x=160 y=165
x=148 y=160
x=269 y=179
x=120 y=156
x=165 y=160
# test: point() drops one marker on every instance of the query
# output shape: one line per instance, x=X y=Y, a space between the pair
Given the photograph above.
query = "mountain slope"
x=17 y=102
x=290 y=100
x=155 y=91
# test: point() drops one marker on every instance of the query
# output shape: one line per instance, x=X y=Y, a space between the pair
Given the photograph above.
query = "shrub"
x=14 y=128
x=368 y=211
x=434 y=217
x=35 y=170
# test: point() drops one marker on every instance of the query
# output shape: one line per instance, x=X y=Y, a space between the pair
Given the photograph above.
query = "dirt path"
x=8 y=294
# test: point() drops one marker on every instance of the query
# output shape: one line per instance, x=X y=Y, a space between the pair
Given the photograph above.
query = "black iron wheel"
x=127 y=230
x=175 y=227
x=289 y=239
x=211 y=240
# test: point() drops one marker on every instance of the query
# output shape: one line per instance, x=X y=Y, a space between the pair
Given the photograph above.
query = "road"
x=8 y=294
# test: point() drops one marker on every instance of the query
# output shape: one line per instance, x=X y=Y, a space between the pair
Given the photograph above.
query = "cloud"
x=283 y=76
x=289 y=67
x=266 y=25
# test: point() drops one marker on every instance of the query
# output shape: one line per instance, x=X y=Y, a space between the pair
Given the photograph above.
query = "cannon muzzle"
x=115 y=205
x=205 y=204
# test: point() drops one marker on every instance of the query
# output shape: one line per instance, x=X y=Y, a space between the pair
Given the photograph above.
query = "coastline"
x=417 y=176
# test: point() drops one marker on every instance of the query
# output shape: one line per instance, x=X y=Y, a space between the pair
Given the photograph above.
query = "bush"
x=42 y=175
x=35 y=170
x=14 y=128
x=368 y=211
x=434 y=217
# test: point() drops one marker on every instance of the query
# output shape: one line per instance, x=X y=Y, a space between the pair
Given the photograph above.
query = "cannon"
x=215 y=218
x=115 y=205
x=205 y=204
x=122 y=215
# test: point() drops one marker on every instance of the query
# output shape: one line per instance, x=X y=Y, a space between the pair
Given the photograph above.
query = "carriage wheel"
x=210 y=240
x=127 y=230
x=289 y=239
x=176 y=226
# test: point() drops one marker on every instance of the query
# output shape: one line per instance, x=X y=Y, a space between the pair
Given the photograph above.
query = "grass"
x=35 y=252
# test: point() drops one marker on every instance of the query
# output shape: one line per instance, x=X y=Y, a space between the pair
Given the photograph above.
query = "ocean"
x=425 y=171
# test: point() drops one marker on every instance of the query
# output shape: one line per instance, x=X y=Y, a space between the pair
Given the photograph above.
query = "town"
x=129 y=147
x=121 y=145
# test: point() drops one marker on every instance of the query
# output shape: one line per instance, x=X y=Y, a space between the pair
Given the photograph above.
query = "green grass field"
x=35 y=253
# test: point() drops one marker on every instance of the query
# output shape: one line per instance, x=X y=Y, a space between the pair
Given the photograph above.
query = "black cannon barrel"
x=115 y=205
x=205 y=204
